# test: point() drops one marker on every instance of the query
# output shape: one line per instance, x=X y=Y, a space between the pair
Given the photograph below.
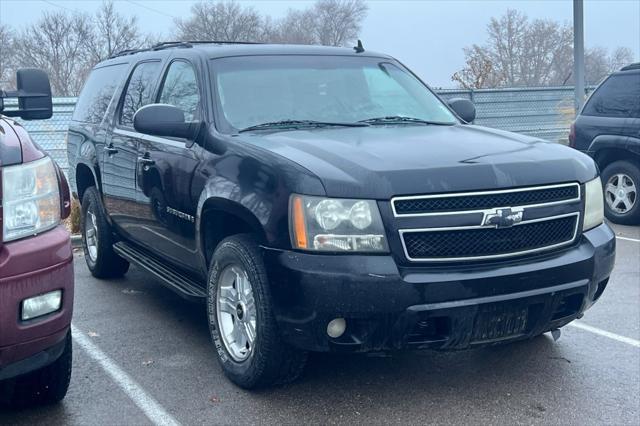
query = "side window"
x=180 y=89
x=617 y=97
x=139 y=90
x=97 y=93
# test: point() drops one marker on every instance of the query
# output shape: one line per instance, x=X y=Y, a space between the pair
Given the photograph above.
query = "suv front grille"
x=421 y=205
x=477 y=242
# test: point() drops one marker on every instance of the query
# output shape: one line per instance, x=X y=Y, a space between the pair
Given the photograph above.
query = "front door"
x=165 y=174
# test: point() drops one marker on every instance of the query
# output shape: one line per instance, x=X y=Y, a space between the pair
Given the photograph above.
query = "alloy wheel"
x=91 y=234
x=620 y=193
x=236 y=312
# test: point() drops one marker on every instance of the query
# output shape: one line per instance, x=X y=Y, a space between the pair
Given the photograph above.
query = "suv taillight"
x=572 y=135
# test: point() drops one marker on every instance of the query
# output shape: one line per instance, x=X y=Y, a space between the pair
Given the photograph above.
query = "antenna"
x=359 y=48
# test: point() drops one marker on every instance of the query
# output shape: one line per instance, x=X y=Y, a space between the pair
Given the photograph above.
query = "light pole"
x=578 y=53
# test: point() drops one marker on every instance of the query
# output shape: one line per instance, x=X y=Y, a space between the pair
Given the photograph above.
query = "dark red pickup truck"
x=36 y=261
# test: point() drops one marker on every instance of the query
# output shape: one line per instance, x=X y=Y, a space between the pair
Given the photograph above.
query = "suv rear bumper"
x=28 y=268
x=439 y=307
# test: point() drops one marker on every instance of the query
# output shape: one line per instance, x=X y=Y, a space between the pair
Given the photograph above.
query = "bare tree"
x=338 y=22
x=479 y=70
x=112 y=33
x=296 y=27
x=56 y=44
x=327 y=22
x=619 y=58
x=7 y=54
x=520 y=52
x=222 y=20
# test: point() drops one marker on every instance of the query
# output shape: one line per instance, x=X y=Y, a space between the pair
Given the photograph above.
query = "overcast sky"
x=426 y=35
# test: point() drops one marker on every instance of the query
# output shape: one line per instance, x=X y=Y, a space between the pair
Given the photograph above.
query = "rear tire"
x=622 y=175
x=97 y=239
x=264 y=360
x=47 y=385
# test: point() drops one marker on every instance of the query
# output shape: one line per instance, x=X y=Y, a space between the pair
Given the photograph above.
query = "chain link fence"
x=545 y=113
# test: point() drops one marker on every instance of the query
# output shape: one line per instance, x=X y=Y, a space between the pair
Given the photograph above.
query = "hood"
x=15 y=144
x=380 y=162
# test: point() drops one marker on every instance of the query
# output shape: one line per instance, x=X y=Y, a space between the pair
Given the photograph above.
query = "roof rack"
x=635 y=66
x=126 y=52
x=178 y=44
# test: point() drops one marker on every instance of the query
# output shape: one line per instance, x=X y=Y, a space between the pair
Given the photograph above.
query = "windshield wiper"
x=394 y=119
x=300 y=123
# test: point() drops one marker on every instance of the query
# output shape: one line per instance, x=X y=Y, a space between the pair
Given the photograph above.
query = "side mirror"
x=34 y=95
x=464 y=108
x=164 y=120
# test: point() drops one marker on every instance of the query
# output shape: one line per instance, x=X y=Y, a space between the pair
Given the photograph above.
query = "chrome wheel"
x=236 y=312
x=91 y=234
x=620 y=193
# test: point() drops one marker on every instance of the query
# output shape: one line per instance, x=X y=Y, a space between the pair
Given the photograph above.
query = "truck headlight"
x=593 y=204
x=31 y=199
x=336 y=224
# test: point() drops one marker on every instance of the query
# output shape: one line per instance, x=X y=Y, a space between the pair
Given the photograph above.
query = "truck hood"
x=380 y=162
x=10 y=147
x=15 y=144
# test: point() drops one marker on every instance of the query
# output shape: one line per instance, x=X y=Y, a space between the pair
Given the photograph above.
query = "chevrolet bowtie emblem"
x=503 y=218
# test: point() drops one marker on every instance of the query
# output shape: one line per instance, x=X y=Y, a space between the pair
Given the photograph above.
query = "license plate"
x=499 y=322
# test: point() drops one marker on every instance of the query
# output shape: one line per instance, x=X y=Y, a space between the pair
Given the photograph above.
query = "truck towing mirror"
x=34 y=95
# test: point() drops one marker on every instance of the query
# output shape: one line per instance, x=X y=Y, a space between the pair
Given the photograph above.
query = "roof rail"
x=222 y=42
x=635 y=66
x=178 y=44
x=126 y=52
x=170 y=44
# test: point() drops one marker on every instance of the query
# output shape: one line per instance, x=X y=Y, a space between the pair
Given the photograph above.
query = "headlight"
x=334 y=224
x=593 y=204
x=31 y=199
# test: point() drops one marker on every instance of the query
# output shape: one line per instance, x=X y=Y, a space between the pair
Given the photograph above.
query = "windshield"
x=254 y=90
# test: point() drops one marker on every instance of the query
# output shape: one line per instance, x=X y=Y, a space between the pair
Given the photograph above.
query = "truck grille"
x=479 y=242
x=461 y=202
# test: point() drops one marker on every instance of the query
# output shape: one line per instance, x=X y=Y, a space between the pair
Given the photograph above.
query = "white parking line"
x=628 y=239
x=149 y=406
x=604 y=333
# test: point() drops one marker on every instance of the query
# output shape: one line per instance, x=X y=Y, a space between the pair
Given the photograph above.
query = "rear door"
x=121 y=152
x=610 y=109
x=166 y=172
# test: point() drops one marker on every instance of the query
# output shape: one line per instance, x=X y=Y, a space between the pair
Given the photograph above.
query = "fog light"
x=336 y=327
x=44 y=304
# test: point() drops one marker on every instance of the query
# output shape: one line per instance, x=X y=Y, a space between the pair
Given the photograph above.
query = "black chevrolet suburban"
x=325 y=199
x=608 y=129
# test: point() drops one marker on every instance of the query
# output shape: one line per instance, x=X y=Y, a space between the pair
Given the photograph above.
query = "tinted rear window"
x=619 y=96
x=98 y=92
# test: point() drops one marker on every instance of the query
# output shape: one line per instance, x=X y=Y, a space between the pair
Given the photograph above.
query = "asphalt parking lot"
x=142 y=355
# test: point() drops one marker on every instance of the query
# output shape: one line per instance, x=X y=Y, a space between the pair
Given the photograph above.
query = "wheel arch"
x=606 y=149
x=85 y=177
x=220 y=218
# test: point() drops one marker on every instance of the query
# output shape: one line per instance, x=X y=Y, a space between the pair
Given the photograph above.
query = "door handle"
x=146 y=161
x=110 y=149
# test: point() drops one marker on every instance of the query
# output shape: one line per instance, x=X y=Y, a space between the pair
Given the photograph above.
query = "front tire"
x=47 y=385
x=97 y=239
x=239 y=299
x=621 y=180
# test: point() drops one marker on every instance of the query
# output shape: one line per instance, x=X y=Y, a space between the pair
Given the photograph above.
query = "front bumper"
x=440 y=307
x=28 y=268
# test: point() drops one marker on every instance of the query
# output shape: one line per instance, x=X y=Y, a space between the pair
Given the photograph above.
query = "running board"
x=169 y=277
